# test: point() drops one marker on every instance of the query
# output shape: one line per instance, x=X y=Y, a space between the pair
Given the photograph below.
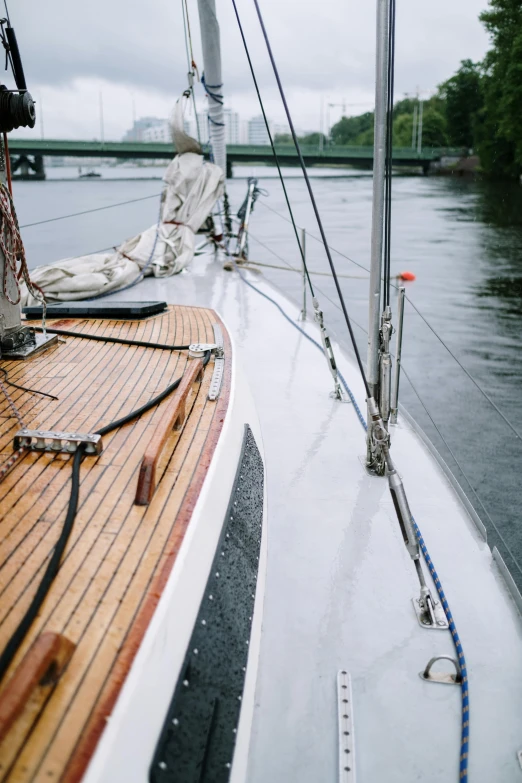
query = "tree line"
x=479 y=108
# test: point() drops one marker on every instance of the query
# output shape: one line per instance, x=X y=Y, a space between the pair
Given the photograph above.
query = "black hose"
x=53 y=566
x=118 y=340
x=25 y=388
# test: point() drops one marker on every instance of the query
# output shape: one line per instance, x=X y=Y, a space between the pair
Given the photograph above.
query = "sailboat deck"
x=340 y=583
x=119 y=554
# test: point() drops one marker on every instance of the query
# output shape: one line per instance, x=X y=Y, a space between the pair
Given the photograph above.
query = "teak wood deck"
x=120 y=554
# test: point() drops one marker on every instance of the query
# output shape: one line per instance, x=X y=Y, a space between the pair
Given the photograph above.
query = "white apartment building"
x=232 y=127
x=157 y=133
x=160 y=131
x=257 y=133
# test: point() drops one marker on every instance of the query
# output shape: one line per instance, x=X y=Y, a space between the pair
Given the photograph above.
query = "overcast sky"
x=135 y=51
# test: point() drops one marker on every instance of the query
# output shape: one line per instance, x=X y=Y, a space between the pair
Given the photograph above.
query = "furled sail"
x=210 y=41
x=192 y=187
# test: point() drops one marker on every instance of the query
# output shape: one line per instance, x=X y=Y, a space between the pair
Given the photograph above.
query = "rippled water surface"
x=462 y=240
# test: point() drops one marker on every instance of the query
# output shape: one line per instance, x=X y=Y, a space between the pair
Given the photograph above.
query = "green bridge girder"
x=237 y=153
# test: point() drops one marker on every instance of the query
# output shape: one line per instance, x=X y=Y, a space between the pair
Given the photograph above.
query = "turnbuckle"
x=328 y=350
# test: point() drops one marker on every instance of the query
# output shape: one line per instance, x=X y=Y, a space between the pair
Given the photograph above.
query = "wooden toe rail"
x=41 y=666
x=173 y=418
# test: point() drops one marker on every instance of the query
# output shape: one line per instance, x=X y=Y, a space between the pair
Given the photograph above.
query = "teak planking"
x=120 y=554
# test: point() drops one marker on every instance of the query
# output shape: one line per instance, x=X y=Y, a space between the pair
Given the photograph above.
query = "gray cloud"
x=322 y=46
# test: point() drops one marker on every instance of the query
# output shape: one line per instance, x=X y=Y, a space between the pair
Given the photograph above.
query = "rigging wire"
x=293 y=268
x=274 y=152
x=417 y=394
x=192 y=67
x=423 y=317
x=312 y=198
x=389 y=156
x=317 y=239
x=87 y=211
x=323 y=293
x=468 y=482
x=469 y=375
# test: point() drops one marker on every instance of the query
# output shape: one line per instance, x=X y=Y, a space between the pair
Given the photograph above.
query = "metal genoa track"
x=199 y=732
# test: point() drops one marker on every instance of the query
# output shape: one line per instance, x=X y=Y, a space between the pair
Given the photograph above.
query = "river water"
x=463 y=241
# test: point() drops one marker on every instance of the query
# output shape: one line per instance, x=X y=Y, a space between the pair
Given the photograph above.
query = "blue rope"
x=464 y=744
x=216 y=96
x=464 y=741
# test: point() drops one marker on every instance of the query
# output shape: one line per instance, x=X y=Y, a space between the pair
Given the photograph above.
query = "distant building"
x=257 y=133
x=152 y=129
x=157 y=133
x=140 y=126
x=243 y=132
x=191 y=127
x=232 y=127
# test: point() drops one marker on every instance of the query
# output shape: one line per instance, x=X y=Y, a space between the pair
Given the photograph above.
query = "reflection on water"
x=507 y=293
x=463 y=241
x=499 y=206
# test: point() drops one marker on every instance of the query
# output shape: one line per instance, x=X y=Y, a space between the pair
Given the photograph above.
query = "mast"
x=210 y=41
x=379 y=162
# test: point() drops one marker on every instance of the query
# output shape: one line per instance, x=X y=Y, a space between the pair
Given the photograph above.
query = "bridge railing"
x=338 y=151
x=136 y=149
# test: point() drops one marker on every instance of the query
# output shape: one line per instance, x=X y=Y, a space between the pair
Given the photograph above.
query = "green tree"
x=283 y=138
x=463 y=100
x=433 y=128
x=312 y=139
x=353 y=130
x=402 y=130
x=500 y=133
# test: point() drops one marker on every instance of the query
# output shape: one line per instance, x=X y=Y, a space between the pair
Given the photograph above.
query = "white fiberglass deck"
x=340 y=582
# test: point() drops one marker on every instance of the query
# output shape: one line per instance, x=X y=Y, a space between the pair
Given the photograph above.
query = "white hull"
x=128 y=744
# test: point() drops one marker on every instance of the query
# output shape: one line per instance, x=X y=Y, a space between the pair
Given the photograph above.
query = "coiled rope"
x=13 y=251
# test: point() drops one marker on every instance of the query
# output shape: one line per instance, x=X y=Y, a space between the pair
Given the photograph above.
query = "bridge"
x=29 y=153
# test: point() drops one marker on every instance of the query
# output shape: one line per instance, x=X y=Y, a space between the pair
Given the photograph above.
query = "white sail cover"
x=210 y=42
x=192 y=187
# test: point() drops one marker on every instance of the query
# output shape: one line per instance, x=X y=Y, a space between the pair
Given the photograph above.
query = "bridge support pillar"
x=426 y=168
x=23 y=167
x=230 y=171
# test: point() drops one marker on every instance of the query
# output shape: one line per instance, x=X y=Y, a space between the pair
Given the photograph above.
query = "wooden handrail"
x=173 y=418
x=42 y=665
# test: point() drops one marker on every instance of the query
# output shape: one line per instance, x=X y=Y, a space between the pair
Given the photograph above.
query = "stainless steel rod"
x=303 y=247
x=246 y=220
x=396 y=377
x=379 y=159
